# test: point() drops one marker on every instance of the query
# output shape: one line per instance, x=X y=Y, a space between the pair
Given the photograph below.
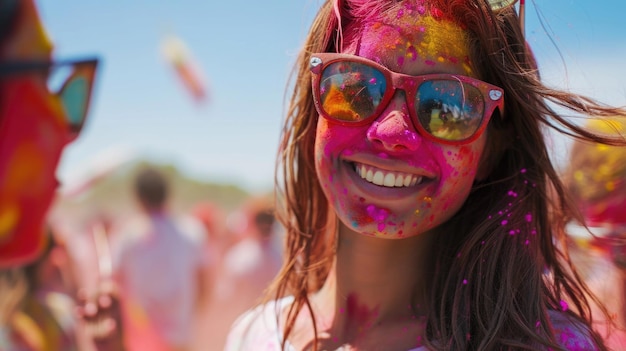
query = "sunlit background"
x=245 y=50
x=219 y=149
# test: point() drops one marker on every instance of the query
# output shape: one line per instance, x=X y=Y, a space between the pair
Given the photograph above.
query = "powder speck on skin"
x=400 y=61
x=379 y=215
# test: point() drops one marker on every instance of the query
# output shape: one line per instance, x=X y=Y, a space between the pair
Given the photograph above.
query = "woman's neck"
x=373 y=282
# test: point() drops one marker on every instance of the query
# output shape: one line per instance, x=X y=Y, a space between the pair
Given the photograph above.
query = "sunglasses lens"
x=75 y=97
x=449 y=109
x=351 y=91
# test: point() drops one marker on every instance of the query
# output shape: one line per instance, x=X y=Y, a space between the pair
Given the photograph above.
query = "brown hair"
x=9 y=12
x=151 y=188
x=508 y=236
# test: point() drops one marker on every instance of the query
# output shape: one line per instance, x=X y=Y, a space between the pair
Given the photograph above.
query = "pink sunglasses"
x=446 y=108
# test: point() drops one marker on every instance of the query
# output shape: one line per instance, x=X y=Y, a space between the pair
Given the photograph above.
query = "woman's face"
x=441 y=176
x=33 y=133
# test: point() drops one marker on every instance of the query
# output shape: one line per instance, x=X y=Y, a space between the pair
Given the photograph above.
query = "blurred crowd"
x=182 y=278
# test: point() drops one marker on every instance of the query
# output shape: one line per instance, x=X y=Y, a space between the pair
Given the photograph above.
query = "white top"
x=258 y=329
x=157 y=260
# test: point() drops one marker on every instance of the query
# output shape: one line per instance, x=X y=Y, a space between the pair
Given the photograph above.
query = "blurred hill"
x=110 y=194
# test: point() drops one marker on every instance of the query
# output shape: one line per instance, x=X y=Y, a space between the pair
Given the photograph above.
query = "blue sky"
x=246 y=49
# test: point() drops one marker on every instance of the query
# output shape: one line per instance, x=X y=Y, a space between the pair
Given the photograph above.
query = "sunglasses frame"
x=493 y=96
x=90 y=65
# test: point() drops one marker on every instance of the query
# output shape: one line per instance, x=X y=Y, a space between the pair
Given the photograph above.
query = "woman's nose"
x=393 y=129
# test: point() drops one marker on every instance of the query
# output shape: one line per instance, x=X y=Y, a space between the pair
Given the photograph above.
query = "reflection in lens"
x=449 y=109
x=74 y=97
x=351 y=91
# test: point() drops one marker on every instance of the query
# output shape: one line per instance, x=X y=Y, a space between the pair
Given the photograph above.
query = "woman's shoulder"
x=257 y=329
x=572 y=334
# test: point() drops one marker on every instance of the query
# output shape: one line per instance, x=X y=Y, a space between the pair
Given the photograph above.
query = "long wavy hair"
x=508 y=236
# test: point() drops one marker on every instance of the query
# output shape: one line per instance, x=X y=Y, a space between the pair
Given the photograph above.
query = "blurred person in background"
x=161 y=271
x=251 y=259
x=49 y=301
x=213 y=220
x=596 y=178
x=37 y=121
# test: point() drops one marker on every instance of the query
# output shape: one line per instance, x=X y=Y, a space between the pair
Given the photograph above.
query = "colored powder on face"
x=9 y=218
x=412 y=53
x=432 y=37
x=378 y=215
x=437 y=13
x=444 y=39
x=400 y=61
x=27 y=162
x=564 y=305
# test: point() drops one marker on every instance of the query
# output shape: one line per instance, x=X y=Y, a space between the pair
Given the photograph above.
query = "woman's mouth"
x=386 y=178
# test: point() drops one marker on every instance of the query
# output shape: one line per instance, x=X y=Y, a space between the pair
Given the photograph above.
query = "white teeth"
x=390 y=180
x=387 y=178
x=407 y=180
x=378 y=178
x=399 y=180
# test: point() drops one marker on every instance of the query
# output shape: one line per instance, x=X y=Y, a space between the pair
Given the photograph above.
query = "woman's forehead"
x=415 y=36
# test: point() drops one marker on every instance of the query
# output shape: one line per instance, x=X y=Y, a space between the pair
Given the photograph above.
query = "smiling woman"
x=415 y=176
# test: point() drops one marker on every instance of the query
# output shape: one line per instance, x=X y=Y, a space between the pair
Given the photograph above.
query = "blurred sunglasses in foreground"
x=446 y=108
x=71 y=80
